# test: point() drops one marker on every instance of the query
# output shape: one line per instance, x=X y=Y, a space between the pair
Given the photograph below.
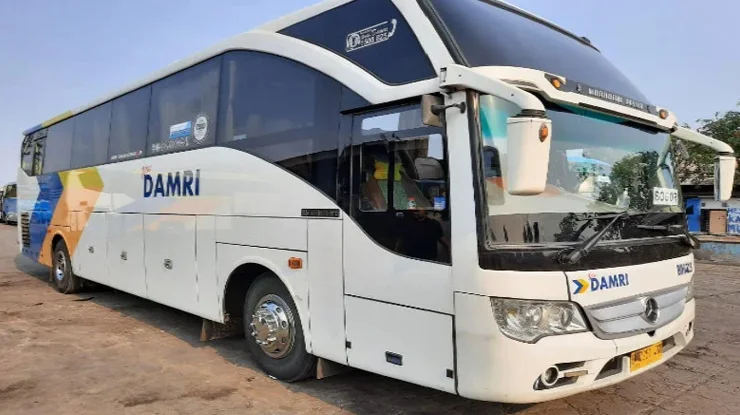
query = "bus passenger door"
x=397 y=271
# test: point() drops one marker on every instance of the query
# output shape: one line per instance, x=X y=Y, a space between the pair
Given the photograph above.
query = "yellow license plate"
x=645 y=357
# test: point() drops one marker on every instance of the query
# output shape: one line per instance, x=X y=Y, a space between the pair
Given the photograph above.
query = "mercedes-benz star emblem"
x=652 y=312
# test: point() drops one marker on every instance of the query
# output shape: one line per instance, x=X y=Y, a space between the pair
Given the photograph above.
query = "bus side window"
x=27 y=161
x=38 y=157
x=400 y=185
x=375 y=165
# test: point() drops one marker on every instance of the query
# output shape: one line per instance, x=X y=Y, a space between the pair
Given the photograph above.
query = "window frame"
x=325 y=119
x=142 y=153
x=78 y=117
x=341 y=94
x=352 y=204
x=212 y=118
x=71 y=120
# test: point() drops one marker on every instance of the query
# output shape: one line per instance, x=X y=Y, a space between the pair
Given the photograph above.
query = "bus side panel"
x=401 y=342
x=371 y=271
x=279 y=233
x=326 y=289
x=90 y=261
x=205 y=252
x=126 y=253
x=169 y=259
x=231 y=257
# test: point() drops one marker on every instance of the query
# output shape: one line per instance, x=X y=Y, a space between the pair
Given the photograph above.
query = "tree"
x=699 y=166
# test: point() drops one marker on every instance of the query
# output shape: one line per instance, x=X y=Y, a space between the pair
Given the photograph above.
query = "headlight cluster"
x=529 y=321
x=690 y=291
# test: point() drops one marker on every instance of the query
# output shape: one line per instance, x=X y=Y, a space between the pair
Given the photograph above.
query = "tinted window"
x=27 y=160
x=90 y=144
x=391 y=121
x=374 y=35
x=129 y=125
x=400 y=183
x=10 y=191
x=283 y=112
x=59 y=146
x=38 y=156
x=491 y=36
x=183 y=109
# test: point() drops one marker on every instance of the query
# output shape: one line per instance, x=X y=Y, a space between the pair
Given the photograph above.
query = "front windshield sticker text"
x=593 y=283
x=612 y=97
x=665 y=196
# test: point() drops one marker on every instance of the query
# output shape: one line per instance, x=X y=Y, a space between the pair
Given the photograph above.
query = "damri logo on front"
x=593 y=283
x=174 y=184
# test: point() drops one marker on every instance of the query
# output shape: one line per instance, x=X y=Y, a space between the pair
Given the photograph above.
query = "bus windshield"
x=488 y=34
x=598 y=164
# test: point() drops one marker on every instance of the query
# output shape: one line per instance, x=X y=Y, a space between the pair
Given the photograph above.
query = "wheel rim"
x=273 y=326
x=61 y=266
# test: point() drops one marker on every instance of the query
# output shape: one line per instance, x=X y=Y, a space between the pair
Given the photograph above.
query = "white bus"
x=385 y=184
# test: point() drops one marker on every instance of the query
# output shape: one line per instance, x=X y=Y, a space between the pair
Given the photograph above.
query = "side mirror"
x=724 y=177
x=528 y=154
x=427 y=114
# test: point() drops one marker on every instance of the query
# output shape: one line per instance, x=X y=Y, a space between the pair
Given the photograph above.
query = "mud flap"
x=213 y=331
x=326 y=368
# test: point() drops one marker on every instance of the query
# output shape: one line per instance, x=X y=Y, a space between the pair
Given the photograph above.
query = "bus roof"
x=241 y=41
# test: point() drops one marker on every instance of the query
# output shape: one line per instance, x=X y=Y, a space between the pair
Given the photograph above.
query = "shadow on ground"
x=356 y=391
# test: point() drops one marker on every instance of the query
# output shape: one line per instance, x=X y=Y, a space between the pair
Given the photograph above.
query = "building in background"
x=706 y=215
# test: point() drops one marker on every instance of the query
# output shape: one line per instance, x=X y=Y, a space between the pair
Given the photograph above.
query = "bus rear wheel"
x=62 y=277
x=273 y=331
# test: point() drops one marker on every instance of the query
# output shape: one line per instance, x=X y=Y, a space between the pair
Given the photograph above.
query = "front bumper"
x=493 y=367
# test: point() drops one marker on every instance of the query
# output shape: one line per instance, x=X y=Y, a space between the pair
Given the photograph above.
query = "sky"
x=60 y=55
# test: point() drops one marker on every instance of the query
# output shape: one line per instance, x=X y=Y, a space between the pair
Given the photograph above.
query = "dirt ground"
x=106 y=352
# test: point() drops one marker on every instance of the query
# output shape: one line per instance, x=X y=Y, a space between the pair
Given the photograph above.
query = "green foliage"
x=699 y=167
x=637 y=175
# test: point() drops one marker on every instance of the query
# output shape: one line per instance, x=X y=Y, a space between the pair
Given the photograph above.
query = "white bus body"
x=286 y=172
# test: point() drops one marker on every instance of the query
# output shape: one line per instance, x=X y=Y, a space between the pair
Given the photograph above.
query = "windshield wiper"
x=690 y=239
x=572 y=257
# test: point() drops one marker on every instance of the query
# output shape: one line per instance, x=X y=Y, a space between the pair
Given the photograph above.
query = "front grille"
x=627 y=317
x=26 y=229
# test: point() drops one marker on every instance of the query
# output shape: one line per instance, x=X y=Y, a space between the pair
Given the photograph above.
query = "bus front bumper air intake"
x=493 y=367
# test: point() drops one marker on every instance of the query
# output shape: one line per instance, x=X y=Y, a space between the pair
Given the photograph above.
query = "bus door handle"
x=91 y=249
x=124 y=255
x=168 y=264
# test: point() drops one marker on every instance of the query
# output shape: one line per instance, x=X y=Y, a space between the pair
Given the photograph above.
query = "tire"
x=62 y=277
x=285 y=356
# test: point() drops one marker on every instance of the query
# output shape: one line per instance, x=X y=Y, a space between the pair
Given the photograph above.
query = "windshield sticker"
x=181 y=130
x=201 y=128
x=594 y=283
x=372 y=35
x=440 y=203
x=663 y=196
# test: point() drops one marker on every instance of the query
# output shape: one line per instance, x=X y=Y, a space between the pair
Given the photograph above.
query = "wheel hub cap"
x=272 y=326
x=60 y=267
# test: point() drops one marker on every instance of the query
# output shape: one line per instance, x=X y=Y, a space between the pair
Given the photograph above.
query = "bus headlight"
x=529 y=321
x=690 y=290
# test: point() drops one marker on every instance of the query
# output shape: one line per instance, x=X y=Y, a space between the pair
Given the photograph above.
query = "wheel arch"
x=243 y=276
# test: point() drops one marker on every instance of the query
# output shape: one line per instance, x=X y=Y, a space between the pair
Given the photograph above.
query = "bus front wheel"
x=62 y=277
x=273 y=331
